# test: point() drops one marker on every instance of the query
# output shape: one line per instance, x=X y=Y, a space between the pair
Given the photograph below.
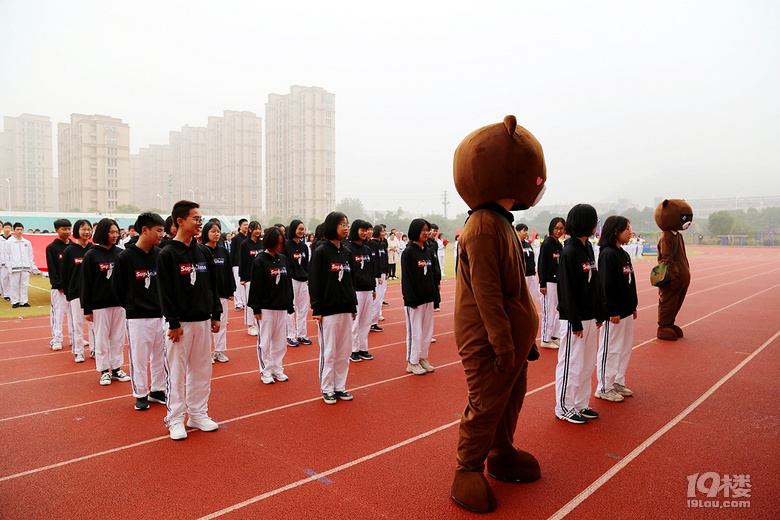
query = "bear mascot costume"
x=497 y=169
x=672 y=215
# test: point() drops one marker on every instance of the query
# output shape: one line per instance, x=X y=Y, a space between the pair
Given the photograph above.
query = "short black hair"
x=554 y=222
x=204 y=234
x=521 y=227
x=254 y=225
x=241 y=221
x=181 y=210
x=433 y=226
x=61 y=222
x=271 y=237
x=131 y=227
x=318 y=231
x=77 y=226
x=330 y=228
x=292 y=228
x=148 y=220
x=18 y=224
x=415 y=228
x=613 y=226
x=357 y=225
x=6 y=224
x=101 y=231
x=169 y=223
x=378 y=229
x=581 y=220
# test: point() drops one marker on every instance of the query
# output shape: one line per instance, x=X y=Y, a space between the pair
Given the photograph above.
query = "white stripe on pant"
x=145 y=340
x=20 y=281
x=335 y=337
x=77 y=329
x=552 y=325
x=238 y=296
x=296 y=323
x=362 y=323
x=271 y=341
x=59 y=311
x=615 y=342
x=249 y=317
x=109 y=326
x=188 y=372
x=419 y=331
x=376 y=305
x=220 y=338
x=576 y=363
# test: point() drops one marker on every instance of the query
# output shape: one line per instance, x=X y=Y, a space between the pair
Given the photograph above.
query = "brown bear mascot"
x=672 y=215
x=497 y=168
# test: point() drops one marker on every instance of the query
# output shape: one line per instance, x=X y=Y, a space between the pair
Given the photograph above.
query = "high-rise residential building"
x=26 y=164
x=94 y=163
x=149 y=173
x=300 y=153
x=189 y=167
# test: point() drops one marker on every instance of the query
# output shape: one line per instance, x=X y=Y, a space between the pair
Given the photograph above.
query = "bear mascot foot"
x=666 y=333
x=677 y=330
x=518 y=467
x=472 y=491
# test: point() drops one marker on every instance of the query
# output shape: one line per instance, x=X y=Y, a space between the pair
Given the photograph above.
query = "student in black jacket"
x=226 y=285
x=618 y=286
x=433 y=247
x=334 y=307
x=72 y=260
x=135 y=284
x=530 y=262
x=271 y=301
x=549 y=259
x=580 y=307
x=239 y=296
x=100 y=304
x=190 y=305
x=59 y=303
x=419 y=287
x=250 y=248
x=297 y=253
x=362 y=265
x=378 y=244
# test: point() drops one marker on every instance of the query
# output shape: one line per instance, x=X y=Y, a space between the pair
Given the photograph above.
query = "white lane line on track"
x=603 y=479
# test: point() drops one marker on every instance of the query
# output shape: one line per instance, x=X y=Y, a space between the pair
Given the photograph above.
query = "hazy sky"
x=629 y=99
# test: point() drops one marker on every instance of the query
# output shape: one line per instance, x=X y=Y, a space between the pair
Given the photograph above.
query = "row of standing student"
x=588 y=309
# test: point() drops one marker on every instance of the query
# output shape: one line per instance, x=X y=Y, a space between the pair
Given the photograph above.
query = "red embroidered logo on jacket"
x=185 y=268
x=105 y=266
x=556 y=255
x=626 y=269
x=78 y=261
x=254 y=252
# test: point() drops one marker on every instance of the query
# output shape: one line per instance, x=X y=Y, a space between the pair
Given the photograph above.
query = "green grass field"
x=40 y=300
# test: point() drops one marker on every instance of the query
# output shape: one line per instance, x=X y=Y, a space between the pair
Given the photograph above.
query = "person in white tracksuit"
x=18 y=259
x=5 y=279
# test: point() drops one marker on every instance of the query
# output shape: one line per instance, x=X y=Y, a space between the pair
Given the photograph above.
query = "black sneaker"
x=376 y=328
x=364 y=354
x=385 y=304
x=141 y=403
x=329 y=398
x=15 y=306
x=304 y=341
x=343 y=395
x=573 y=416
x=589 y=414
x=24 y=305
x=355 y=357
x=157 y=397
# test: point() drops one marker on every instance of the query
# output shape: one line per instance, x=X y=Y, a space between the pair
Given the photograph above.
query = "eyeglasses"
x=198 y=220
x=344 y=225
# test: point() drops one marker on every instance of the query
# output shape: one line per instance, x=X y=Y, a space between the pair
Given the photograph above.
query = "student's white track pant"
x=77 y=331
x=335 y=337
x=188 y=372
x=615 y=344
x=271 y=341
x=145 y=340
x=552 y=325
x=20 y=283
x=419 y=331
x=362 y=323
x=239 y=296
x=59 y=312
x=576 y=362
x=296 y=322
x=376 y=305
x=220 y=338
x=109 y=326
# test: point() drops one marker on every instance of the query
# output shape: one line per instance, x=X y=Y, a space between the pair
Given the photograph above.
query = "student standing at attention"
x=549 y=259
x=59 y=303
x=72 y=260
x=297 y=253
x=190 y=305
x=226 y=285
x=362 y=268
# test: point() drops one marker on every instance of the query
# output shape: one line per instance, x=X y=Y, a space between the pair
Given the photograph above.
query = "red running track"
x=74 y=449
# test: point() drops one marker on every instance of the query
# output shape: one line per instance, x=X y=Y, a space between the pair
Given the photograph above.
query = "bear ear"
x=510 y=122
x=665 y=202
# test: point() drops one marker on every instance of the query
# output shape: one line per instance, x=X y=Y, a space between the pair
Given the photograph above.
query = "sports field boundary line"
x=587 y=492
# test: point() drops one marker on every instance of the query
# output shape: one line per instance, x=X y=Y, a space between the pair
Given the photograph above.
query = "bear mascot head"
x=673 y=215
x=500 y=161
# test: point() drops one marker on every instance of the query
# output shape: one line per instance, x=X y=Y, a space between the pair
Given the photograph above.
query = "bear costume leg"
x=487 y=430
x=670 y=300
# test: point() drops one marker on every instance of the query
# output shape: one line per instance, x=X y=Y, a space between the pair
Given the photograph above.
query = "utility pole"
x=444 y=203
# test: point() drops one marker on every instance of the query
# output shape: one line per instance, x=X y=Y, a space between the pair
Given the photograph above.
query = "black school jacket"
x=226 y=282
x=549 y=260
x=135 y=282
x=579 y=287
x=72 y=259
x=418 y=283
x=618 y=283
x=271 y=284
x=96 y=272
x=331 y=290
x=54 y=253
x=361 y=263
x=530 y=261
x=235 y=248
x=187 y=287
x=249 y=250
x=379 y=247
x=298 y=255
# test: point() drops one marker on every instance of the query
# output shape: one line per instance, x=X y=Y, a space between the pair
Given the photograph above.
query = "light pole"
x=8 y=180
x=192 y=192
x=161 y=199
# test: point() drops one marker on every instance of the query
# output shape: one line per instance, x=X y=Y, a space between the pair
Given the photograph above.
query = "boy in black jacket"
x=190 y=305
x=59 y=303
x=580 y=307
x=135 y=285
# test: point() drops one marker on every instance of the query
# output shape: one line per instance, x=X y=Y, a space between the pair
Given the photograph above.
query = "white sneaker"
x=281 y=377
x=56 y=346
x=415 y=369
x=178 y=432
x=204 y=424
x=120 y=375
x=427 y=366
x=221 y=357
x=557 y=341
x=622 y=390
x=86 y=343
x=252 y=330
x=269 y=380
x=433 y=340
x=105 y=378
x=79 y=358
x=548 y=344
x=610 y=395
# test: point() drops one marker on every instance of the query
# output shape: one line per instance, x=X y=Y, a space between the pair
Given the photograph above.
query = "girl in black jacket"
x=378 y=244
x=620 y=300
x=226 y=284
x=549 y=258
x=580 y=306
x=271 y=301
x=297 y=253
x=100 y=304
x=72 y=260
x=362 y=264
x=530 y=262
x=334 y=307
x=250 y=248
